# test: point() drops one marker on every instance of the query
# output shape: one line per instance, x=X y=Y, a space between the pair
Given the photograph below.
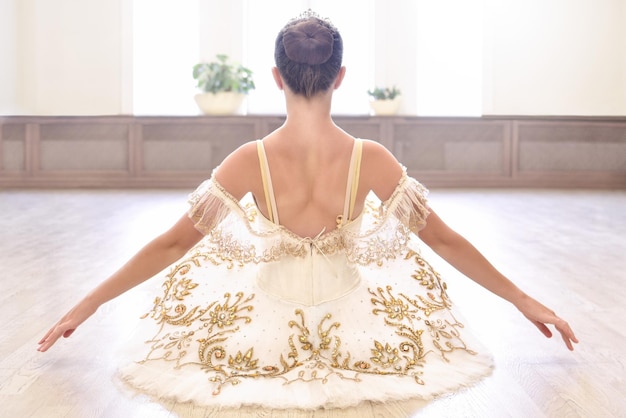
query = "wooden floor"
x=567 y=248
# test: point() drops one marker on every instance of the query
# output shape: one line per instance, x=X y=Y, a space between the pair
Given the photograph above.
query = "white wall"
x=543 y=57
x=69 y=56
x=556 y=57
x=8 y=56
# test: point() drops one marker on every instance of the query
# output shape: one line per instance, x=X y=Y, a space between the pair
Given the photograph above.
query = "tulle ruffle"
x=217 y=337
x=238 y=233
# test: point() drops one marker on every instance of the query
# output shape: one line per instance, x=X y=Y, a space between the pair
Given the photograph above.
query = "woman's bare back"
x=309 y=177
x=309 y=181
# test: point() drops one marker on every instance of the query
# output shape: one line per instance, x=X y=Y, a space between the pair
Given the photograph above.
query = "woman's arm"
x=234 y=174
x=381 y=172
x=463 y=256
x=150 y=260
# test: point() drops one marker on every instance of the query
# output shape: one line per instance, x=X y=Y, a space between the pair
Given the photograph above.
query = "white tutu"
x=255 y=316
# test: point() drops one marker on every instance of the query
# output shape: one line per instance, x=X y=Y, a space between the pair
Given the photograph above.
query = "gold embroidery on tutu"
x=199 y=335
x=402 y=312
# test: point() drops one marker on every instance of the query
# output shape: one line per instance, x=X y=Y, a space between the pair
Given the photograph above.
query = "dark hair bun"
x=308 y=42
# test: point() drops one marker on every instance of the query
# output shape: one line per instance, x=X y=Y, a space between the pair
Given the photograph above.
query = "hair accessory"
x=308 y=14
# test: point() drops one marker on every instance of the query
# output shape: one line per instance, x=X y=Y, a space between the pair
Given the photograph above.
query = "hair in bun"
x=308 y=42
x=308 y=54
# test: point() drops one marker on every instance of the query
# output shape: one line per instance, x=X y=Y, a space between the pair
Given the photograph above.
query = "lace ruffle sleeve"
x=236 y=234
x=409 y=204
x=386 y=227
x=210 y=204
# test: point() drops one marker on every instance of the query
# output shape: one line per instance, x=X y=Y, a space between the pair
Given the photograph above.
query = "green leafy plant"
x=384 y=93
x=221 y=75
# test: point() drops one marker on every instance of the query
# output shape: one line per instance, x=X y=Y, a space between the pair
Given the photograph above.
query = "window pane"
x=165 y=48
x=449 y=58
x=356 y=27
x=448 y=52
x=263 y=21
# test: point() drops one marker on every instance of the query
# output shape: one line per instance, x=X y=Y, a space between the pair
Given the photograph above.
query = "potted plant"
x=384 y=100
x=223 y=85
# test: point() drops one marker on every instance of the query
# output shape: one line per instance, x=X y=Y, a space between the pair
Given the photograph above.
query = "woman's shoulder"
x=376 y=150
x=238 y=173
x=380 y=170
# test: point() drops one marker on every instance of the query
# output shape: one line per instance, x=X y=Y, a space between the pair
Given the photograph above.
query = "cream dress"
x=257 y=318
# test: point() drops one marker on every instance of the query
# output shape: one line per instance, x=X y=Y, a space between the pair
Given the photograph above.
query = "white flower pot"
x=385 y=107
x=222 y=103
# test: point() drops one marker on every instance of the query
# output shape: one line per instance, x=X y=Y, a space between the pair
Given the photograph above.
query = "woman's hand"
x=540 y=316
x=67 y=324
x=462 y=255
x=150 y=260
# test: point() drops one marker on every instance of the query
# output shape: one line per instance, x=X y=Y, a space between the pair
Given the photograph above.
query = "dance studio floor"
x=566 y=248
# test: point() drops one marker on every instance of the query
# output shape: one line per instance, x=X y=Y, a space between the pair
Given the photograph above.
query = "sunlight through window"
x=448 y=80
x=449 y=58
x=165 y=48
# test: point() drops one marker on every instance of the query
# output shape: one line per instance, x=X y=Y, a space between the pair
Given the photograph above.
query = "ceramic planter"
x=385 y=107
x=222 y=103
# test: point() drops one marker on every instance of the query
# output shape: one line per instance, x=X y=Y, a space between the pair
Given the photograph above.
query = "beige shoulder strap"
x=352 y=186
x=268 y=190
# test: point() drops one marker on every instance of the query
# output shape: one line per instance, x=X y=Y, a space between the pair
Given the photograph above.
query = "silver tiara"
x=307 y=14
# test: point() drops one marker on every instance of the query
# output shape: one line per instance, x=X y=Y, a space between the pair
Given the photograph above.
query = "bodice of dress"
x=319 y=274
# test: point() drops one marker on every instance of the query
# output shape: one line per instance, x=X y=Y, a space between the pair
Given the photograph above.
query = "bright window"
x=165 y=48
x=448 y=54
x=449 y=58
